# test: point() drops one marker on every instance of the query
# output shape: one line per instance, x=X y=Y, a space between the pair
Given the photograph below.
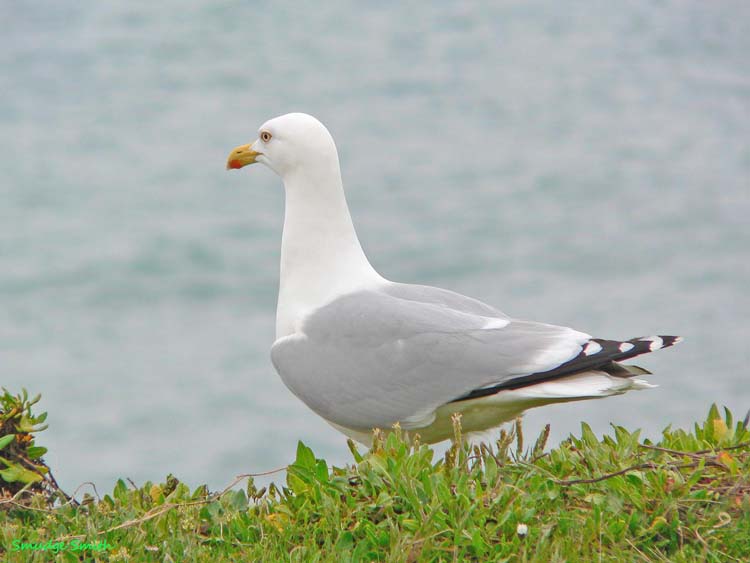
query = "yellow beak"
x=241 y=156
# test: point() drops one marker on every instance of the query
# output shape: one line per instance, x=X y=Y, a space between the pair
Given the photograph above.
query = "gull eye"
x=265 y=136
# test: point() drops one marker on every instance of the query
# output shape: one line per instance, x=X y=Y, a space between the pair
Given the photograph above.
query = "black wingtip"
x=657 y=342
x=597 y=353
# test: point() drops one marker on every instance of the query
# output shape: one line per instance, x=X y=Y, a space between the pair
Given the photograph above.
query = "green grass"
x=618 y=498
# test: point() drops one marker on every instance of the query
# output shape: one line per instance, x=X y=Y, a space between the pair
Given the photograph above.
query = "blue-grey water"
x=585 y=164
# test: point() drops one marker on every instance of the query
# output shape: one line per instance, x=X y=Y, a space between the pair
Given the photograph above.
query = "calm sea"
x=585 y=164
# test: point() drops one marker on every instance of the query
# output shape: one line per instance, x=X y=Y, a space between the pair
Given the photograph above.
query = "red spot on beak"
x=234 y=164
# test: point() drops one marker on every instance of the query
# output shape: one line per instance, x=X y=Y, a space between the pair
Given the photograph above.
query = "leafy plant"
x=21 y=465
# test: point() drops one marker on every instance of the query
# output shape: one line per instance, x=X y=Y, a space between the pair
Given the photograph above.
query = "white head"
x=287 y=144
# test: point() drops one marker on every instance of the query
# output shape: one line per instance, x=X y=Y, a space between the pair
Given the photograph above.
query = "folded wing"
x=371 y=358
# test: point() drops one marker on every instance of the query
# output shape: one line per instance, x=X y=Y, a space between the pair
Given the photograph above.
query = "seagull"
x=364 y=352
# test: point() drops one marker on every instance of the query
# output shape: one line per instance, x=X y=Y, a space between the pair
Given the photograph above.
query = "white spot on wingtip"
x=592 y=348
x=626 y=347
x=677 y=340
x=656 y=342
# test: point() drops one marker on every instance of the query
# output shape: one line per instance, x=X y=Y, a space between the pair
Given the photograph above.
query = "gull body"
x=364 y=352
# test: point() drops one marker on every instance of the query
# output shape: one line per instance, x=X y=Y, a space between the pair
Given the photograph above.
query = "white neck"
x=321 y=256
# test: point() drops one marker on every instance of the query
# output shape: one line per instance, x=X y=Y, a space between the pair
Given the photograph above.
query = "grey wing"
x=444 y=297
x=371 y=358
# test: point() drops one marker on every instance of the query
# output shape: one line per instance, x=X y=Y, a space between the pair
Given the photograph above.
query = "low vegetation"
x=615 y=498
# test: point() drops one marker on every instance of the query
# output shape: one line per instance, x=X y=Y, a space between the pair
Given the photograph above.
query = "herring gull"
x=364 y=352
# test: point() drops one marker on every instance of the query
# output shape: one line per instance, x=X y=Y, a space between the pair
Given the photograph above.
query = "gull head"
x=286 y=144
